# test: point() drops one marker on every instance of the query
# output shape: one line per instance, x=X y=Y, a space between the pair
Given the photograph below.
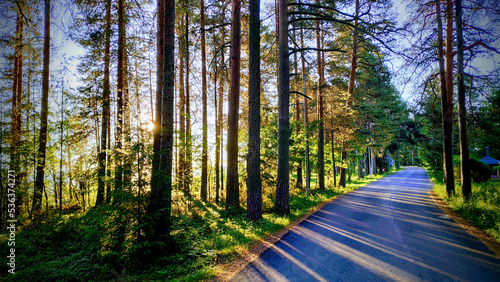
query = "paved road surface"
x=390 y=230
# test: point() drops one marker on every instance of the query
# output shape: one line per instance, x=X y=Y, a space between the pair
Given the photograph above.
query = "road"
x=389 y=230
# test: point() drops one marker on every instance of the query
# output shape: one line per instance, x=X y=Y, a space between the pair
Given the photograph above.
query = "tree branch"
x=217 y=26
x=300 y=93
x=320 y=7
x=21 y=12
x=315 y=49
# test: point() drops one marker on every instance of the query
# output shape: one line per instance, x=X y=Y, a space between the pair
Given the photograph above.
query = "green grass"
x=101 y=245
x=483 y=207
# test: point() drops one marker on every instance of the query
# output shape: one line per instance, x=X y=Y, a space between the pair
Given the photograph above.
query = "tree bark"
x=182 y=114
x=233 y=194
x=350 y=89
x=321 y=126
x=105 y=111
x=109 y=184
x=17 y=108
x=282 y=205
x=297 y=110
x=40 y=163
x=127 y=160
x=217 y=134
x=61 y=139
x=160 y=203
x=119 y=107
x=333 y=161
x=189 y=157
x=462 y=112
x=155 y=181
x=220 y=180
x=306 y=108
x=204 y=157
x=167 y=116
x=254 y=184
x=446 y=77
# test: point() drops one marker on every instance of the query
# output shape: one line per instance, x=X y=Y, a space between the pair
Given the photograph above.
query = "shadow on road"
x=388 y=230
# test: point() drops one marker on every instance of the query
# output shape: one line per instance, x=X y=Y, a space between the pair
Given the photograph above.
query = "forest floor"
x=101 y=244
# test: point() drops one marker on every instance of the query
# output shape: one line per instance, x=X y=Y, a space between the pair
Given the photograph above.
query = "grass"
x=483 y=207
x=100 y=244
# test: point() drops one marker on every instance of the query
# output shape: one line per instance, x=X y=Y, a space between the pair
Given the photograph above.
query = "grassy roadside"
x=84 y=246
x=483 y=208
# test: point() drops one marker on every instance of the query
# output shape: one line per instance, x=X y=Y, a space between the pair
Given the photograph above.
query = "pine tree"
x=40 y=163
x=233 y=193
x=254 y=185
x=282 y=204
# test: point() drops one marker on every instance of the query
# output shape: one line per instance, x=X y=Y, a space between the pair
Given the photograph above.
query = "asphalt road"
x=389 y=230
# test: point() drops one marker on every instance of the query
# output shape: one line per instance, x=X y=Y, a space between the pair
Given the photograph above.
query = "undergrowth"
x=103 y=243
x=483 y=207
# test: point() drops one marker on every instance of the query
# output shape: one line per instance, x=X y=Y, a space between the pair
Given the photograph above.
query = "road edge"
x=478 y=233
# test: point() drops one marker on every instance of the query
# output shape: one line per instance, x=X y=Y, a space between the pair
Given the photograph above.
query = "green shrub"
x=483 y=207
x=480 y=172
x=496 y=168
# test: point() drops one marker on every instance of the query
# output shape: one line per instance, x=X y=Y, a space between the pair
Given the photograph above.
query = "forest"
x=157 y=140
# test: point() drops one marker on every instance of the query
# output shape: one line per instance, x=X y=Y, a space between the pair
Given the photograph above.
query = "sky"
x=72 y=50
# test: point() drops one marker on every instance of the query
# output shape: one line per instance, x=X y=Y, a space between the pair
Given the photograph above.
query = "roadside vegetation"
x=483 y=207
x=98 y=245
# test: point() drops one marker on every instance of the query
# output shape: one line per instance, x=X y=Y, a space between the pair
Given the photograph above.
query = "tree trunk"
x=182 y=113
x=155 y=172
x=220 y=181
x=306 y=108
x=233 y=194
x=282 y=205
x=297 y=110
x=189 y=164
x=61 y=138
x=217 y=134
x=17 y=109
x=127 y=160
x=40 y=163
x=449 y=174
x=333 y=161
x=160 y=203
x=119 y=107
x=140 y=151
x=368 y=162
x=105 y=111
x=321 y=126
x=350 y=89
x=204 y=157
x=462 y=112
x=155 y=177
x=109 y=184
x=374 y=163
x=222 y=129
x=254 y=185
x=343 y=160
x=54 y=181
x=446 y=76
